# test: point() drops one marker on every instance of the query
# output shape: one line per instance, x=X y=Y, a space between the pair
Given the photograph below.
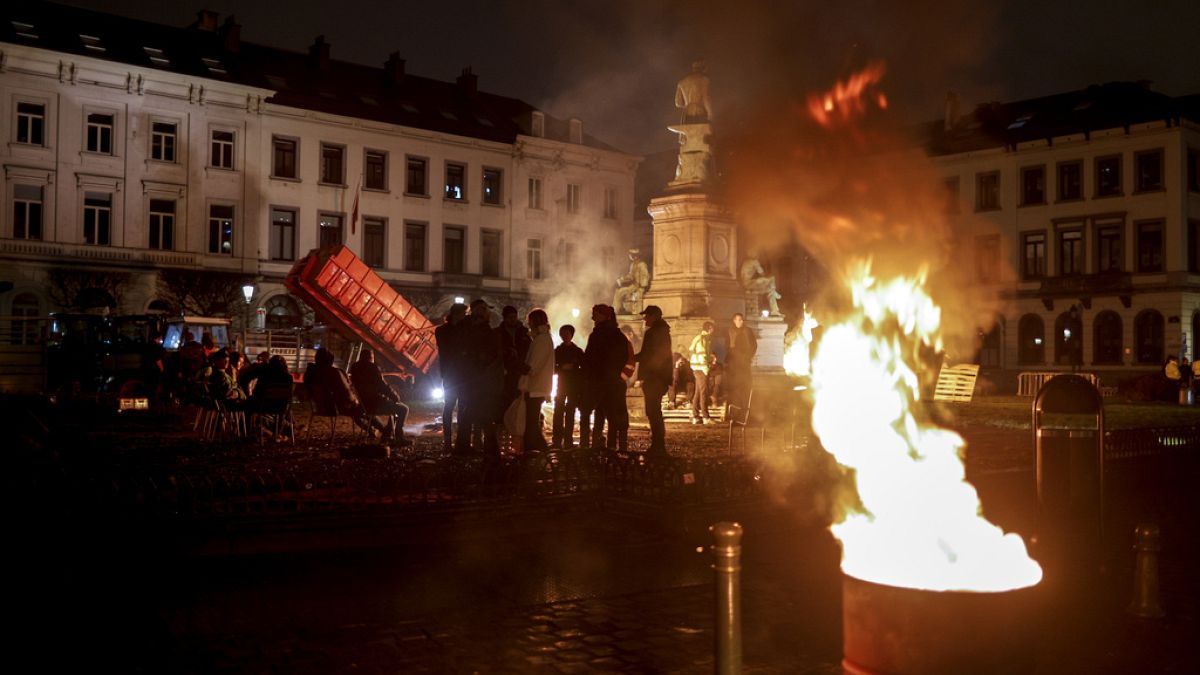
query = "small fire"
x=919 y=525
x=849 y=100
x=797 y=358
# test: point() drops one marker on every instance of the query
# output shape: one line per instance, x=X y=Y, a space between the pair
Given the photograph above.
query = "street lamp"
x=248 y=294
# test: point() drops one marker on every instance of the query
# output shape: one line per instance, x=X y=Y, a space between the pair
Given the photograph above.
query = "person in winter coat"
x=451 y=357
x=702 y=359
x=538 y=379
x=656 y=371
x=742 y=345
x=605 y=361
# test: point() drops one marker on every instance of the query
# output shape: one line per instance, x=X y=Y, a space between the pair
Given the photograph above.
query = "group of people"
x=489 y=371
x=363 y=395
x=225 y=375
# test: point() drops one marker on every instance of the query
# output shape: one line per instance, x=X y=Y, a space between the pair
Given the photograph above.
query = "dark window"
x=1033 y=185
x=332 y=166
x=1031 y=337
x=987 y=191
x=99 y=133
x=1150 y=247
x=375 y=175
x=1110 y=252
x=1108 y=176
x=533 y=259
x=1107 y=337
x=330 y=225
x=162 y=141
x=1070 y=252
x=454 y=245
x=27 y=211
x=414 y=247
x=97 y=218
x=489 y=253
x=1148 y=167
x=535 y=193
x=987 y=258
x=456 y=181
x=416 y=176
x=574 y=197
x=491 y=186
x=1070 y=181
x=282 y=245
x=1033 y=255
x=222 y=149
x=1148 y=337
x=162 y=224
x=374 y=251
x=1068 y=339
x=31 y=123
x=220 y=229
x=283 y=164
x=283 y=313
x=1193 y=249
x=25 y=319
x=1193 y=171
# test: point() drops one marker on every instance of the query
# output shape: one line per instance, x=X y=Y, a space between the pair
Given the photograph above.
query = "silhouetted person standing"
x=605 y=359
x=483 y=378
x=741 y=347
x=451 y=345
x=568 y=364
x=656 y=371
x=702 y=359
x=514 y=346
x=536 y=384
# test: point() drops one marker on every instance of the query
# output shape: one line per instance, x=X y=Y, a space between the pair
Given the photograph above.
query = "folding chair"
x=741 y=418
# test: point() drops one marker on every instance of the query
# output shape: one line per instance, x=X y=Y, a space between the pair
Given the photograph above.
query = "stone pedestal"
x=695 y=258
x=770 y=333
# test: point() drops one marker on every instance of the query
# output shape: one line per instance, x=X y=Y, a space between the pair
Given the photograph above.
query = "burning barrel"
x=894 y=630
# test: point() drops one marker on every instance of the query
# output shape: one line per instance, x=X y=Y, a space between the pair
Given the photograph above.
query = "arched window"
x=1108 y=338
x=158 y=307
x=25 y=312
x=283 y=313
x=991 y=346
x=1068 y=339
x=1031 y=337
x=1148 y=337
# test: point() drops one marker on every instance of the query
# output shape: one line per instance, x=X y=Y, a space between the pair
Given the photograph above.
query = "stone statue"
x=695 y=153
x=691 y=94
x=755 y=281
x=632 y=287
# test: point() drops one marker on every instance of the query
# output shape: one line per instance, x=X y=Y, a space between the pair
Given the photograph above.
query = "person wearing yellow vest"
x=701 y=358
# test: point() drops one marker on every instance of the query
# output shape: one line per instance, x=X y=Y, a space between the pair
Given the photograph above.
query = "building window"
x=282 y=245
x=25 y=318
x=1193 y=171
x=97 y=218
x=535 y=193
x=456 y=177
x=414 y=247
x=1148 y=170
x=375 y=172
x=31 y=123
x=374 y=242
x=573 y=198
x=1107 y=338
x=330 y=227
x=538 y=124
x=283 y=313
x=987 y=191
x=100 y=133
x=220 y=229
x=533 y=259
x=610 y=203
x=1033 y=185
x=454 y=246
x=162 y=224
x=566 y=255
x=221 y=153
x=1070 y=181
x=1031 y=339
x=1108 y=176
x=1148 y=336
x=332 y=164
x=1033 y=255
x=283 y=163
x=1070 y=252
x=1193 y=248
x=162 y=141
x=1068 y=339
x=987 y=258
x=492 y=185
x=489 y=253
x=1110 y=249
x=416 y=177
x=1150 y=247
x=27 y=211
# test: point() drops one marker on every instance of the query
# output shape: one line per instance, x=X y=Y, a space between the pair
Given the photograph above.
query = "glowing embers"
x=917 y=524
x=849 y=100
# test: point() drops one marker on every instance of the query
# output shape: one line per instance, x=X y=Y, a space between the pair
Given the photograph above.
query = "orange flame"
x=849 y=100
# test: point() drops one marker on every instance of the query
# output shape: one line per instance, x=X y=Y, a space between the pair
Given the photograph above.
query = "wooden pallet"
x=956 y=383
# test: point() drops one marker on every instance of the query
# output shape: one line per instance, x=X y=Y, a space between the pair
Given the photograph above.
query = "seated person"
x=378 y=398
x=682 y=381
x=222 y=385
x=328 y=383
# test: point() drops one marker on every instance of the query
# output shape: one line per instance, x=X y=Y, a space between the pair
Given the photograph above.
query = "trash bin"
x=1068 y=436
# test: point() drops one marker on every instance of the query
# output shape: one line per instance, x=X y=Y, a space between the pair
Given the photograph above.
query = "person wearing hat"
x=482 y=379
x=657 y=370
x=604 y=360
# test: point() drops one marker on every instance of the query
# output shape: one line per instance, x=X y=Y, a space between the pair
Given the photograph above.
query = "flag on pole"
x=354 y=211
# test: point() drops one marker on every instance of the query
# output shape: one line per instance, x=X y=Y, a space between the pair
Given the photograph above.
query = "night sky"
x=614 y=63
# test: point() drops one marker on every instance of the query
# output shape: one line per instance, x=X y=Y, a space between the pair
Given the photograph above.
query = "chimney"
x=206 y=20
x=318 y=53
x=393 y=69
x=231 y=34
x=575 y=130
x=951 y=111
x=468 y=82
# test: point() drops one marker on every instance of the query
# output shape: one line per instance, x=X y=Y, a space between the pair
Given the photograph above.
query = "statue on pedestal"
x=691 y=94
x=755 y=281
x=695 y=154
x=631 y=287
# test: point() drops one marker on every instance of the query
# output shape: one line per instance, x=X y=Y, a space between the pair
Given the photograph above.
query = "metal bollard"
x=1145 y=602
x=727 y=573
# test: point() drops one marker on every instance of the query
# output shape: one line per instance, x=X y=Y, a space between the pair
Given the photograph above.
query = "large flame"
x=920 y=524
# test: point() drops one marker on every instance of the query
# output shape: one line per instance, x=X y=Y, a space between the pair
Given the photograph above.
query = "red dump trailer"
x=335 y=282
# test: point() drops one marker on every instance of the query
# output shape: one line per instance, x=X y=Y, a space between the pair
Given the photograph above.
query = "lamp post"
x=248 y=294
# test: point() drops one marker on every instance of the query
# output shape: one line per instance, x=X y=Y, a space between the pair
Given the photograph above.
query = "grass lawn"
x=1016 y=412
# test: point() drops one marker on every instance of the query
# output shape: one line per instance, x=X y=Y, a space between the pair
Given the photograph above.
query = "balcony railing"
x=118 y=254
x=1105 y=283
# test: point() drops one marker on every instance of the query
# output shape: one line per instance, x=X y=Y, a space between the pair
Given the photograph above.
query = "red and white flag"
x=354 y=211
